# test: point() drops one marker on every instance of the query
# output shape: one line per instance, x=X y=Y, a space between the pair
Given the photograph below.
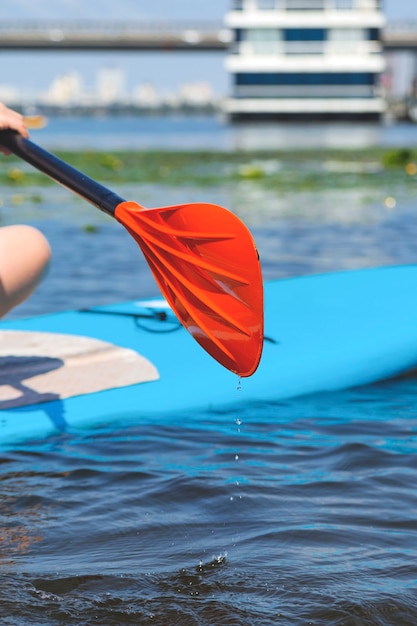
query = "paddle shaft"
x=61 y=172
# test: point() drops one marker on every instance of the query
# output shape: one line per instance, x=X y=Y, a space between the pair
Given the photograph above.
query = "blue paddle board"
x=322 y=333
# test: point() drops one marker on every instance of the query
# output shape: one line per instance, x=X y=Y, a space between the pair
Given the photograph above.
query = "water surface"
x=299 y=512
x=214 y=132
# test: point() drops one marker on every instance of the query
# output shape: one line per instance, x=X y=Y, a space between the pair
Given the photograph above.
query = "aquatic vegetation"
x=111 y=162
x=251 y=171
x=411 y=168
x=275 y=170
x=15 y=174
x=90 y=228
x=17 y=198
x=398 y=157
x=390 y=202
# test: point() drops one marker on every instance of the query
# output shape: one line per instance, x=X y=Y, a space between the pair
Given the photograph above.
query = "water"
x=302 y=514
x=299 y=512
x=209 y=132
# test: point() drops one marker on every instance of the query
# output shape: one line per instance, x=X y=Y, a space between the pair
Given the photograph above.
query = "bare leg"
x=24 y=258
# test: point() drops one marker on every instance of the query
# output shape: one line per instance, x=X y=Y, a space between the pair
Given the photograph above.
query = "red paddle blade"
x=206 y=264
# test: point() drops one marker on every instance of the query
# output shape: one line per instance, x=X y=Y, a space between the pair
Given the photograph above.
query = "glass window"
x=307 y=78
x=305 y=5
x=374 y=34
x=343 y=5
x=266 y=5
x=347 y=34
x=305 y=34
x=263 y=34
x=264 y=40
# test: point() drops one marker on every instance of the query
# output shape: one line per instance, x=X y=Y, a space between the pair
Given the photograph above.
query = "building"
x=308 y=59
x=111 y=85
x=65 y=90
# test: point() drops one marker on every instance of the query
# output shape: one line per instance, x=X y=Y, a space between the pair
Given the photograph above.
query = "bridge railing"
x=141 y=26
x=106 y=26
x=409 y=26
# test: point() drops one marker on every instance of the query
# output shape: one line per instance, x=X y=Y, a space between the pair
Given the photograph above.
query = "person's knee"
x=36 y=247
x=24 y=258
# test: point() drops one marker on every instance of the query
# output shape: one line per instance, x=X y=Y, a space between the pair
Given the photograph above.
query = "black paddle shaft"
x=61 y=172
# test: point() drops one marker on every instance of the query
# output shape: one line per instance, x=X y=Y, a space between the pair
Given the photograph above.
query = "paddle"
x=201 y=255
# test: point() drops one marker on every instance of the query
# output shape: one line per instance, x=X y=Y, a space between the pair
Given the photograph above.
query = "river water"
x=298 y=512
x=211 y=132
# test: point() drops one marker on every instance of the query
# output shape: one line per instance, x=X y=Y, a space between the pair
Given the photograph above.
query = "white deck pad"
x=38 y=367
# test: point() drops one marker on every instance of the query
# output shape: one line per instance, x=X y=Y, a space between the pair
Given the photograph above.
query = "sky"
x=152 y=9
x=33 y=72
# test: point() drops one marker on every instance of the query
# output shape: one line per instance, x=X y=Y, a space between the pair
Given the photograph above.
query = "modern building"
x=309 y=59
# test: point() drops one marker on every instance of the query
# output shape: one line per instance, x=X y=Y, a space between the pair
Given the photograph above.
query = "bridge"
x=122 y=36
x=206 y=36
x=400 y=36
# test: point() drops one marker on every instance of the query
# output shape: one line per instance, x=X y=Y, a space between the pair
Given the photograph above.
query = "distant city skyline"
x=34 y=72
x=109 y=89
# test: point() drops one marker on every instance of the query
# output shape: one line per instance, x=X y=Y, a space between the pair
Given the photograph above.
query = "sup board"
x=73 y=369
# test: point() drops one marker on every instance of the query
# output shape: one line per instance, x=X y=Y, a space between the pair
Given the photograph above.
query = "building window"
x=304 y=41
x=305 y=34
x=305 y=5
x=347 y=34
x=262 y=40
x=263 y=34
x=343 y=5
x=305 y=85
x=306 y=78
x=266 y=5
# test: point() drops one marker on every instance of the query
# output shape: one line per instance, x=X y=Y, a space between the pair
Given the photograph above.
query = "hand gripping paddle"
x=201 y=255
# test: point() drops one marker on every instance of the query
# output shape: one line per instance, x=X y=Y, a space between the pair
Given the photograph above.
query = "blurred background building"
x=321 y=59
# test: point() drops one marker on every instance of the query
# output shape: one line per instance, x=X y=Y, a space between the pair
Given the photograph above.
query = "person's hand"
x=13 y=120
